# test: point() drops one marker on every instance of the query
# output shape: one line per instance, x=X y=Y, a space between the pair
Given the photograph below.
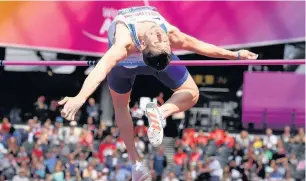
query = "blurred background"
x=248 y=124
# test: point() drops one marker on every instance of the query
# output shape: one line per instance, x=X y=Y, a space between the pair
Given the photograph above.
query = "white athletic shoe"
x=140 y=172
x=156 y=124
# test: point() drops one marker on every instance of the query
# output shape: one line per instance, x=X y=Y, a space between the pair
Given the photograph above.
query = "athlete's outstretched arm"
x=181 y=40
x=117 y=53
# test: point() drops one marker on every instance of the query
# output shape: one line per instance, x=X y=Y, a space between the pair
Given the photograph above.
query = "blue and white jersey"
x=130 y=17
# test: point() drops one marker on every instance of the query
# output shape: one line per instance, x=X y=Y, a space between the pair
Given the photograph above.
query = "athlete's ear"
x=142 y=45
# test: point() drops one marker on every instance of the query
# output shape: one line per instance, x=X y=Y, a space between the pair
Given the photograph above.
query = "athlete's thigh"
x=120 y=100
x=176 y=77
x=120 y=81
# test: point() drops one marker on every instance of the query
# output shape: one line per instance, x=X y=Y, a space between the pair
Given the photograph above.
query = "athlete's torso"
x=137 y=19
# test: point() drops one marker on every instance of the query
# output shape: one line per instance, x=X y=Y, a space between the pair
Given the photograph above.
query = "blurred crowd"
x=50 y=148
x=219 y=156
x=45 y=149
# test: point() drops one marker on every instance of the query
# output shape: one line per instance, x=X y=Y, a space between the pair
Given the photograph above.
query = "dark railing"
x=274 y=118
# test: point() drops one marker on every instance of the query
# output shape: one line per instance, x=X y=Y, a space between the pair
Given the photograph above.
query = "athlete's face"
x=156 y=38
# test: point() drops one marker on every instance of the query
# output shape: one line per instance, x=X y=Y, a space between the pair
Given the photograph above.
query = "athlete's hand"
x=247 y=55
x=71 y=107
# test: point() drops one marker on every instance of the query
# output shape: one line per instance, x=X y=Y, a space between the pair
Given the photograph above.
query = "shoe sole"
x=155 y=125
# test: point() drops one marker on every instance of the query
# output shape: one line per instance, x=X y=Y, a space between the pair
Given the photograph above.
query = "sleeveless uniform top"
x=130 y=17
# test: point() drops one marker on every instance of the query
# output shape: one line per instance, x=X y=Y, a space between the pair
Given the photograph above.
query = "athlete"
x=143 y=34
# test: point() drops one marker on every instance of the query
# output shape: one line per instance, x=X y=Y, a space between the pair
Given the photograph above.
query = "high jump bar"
x=140 y=63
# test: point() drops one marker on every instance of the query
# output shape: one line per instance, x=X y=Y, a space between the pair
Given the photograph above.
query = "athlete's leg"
x=185 y=95
x=120 y=81
x=186 y=92
x=124 y=121
x=182 y=99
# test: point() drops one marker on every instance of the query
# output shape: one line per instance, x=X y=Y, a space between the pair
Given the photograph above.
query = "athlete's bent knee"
x=195 y=95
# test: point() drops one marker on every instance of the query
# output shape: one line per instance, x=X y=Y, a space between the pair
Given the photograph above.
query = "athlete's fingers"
x=73 y=116
x=69 y=117
x=62 y=102
x=63 y=113
x=252 y=54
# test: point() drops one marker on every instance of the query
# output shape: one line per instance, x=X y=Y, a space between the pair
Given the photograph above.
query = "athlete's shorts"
x=121 y=79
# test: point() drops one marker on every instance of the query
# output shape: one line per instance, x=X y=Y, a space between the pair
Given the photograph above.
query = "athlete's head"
x=156 y=48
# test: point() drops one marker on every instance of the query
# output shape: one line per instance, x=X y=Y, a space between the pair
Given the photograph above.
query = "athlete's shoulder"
x=122 y=34
x=171 y=28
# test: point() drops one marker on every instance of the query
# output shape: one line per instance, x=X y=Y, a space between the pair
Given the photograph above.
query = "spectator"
x=101 y=133
x=12 y=145
x=229 y=141
x=140 y=146
x=288 y=177
x=22 y=176
x=37 y=151
x=260 y=170
x=180 y=160
x=159 y=163
x=194 y=156
x=214 y=169
x=68 y=176
x=104 y=176
x=58 y=174
x=114 y=131
x=86 y=137
x=39 y=169
x=120 y=146
x=107 y=148
x=3 y=150
x=41 y=108
x=120 y=174
x=191 y=174
x=92 y=109
x=218 y=135
x=7 y=166
x=159 y=99
x=136 y=112
x=22 y=155
x=51 y=162
x=144 y=138
x=171 y=177
x=71 y=135
x=227 y=174
x=5 y=126
x=270 y=140
x=140 y=127
x=301 y=133
x=71 y=165
x=48 y=126
x=258 y=144
x=90 y=172
x=243 y=139
x=90 y=124
x=188 y=141
x=53 y=110
x=275 y=173
x=286 y=136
